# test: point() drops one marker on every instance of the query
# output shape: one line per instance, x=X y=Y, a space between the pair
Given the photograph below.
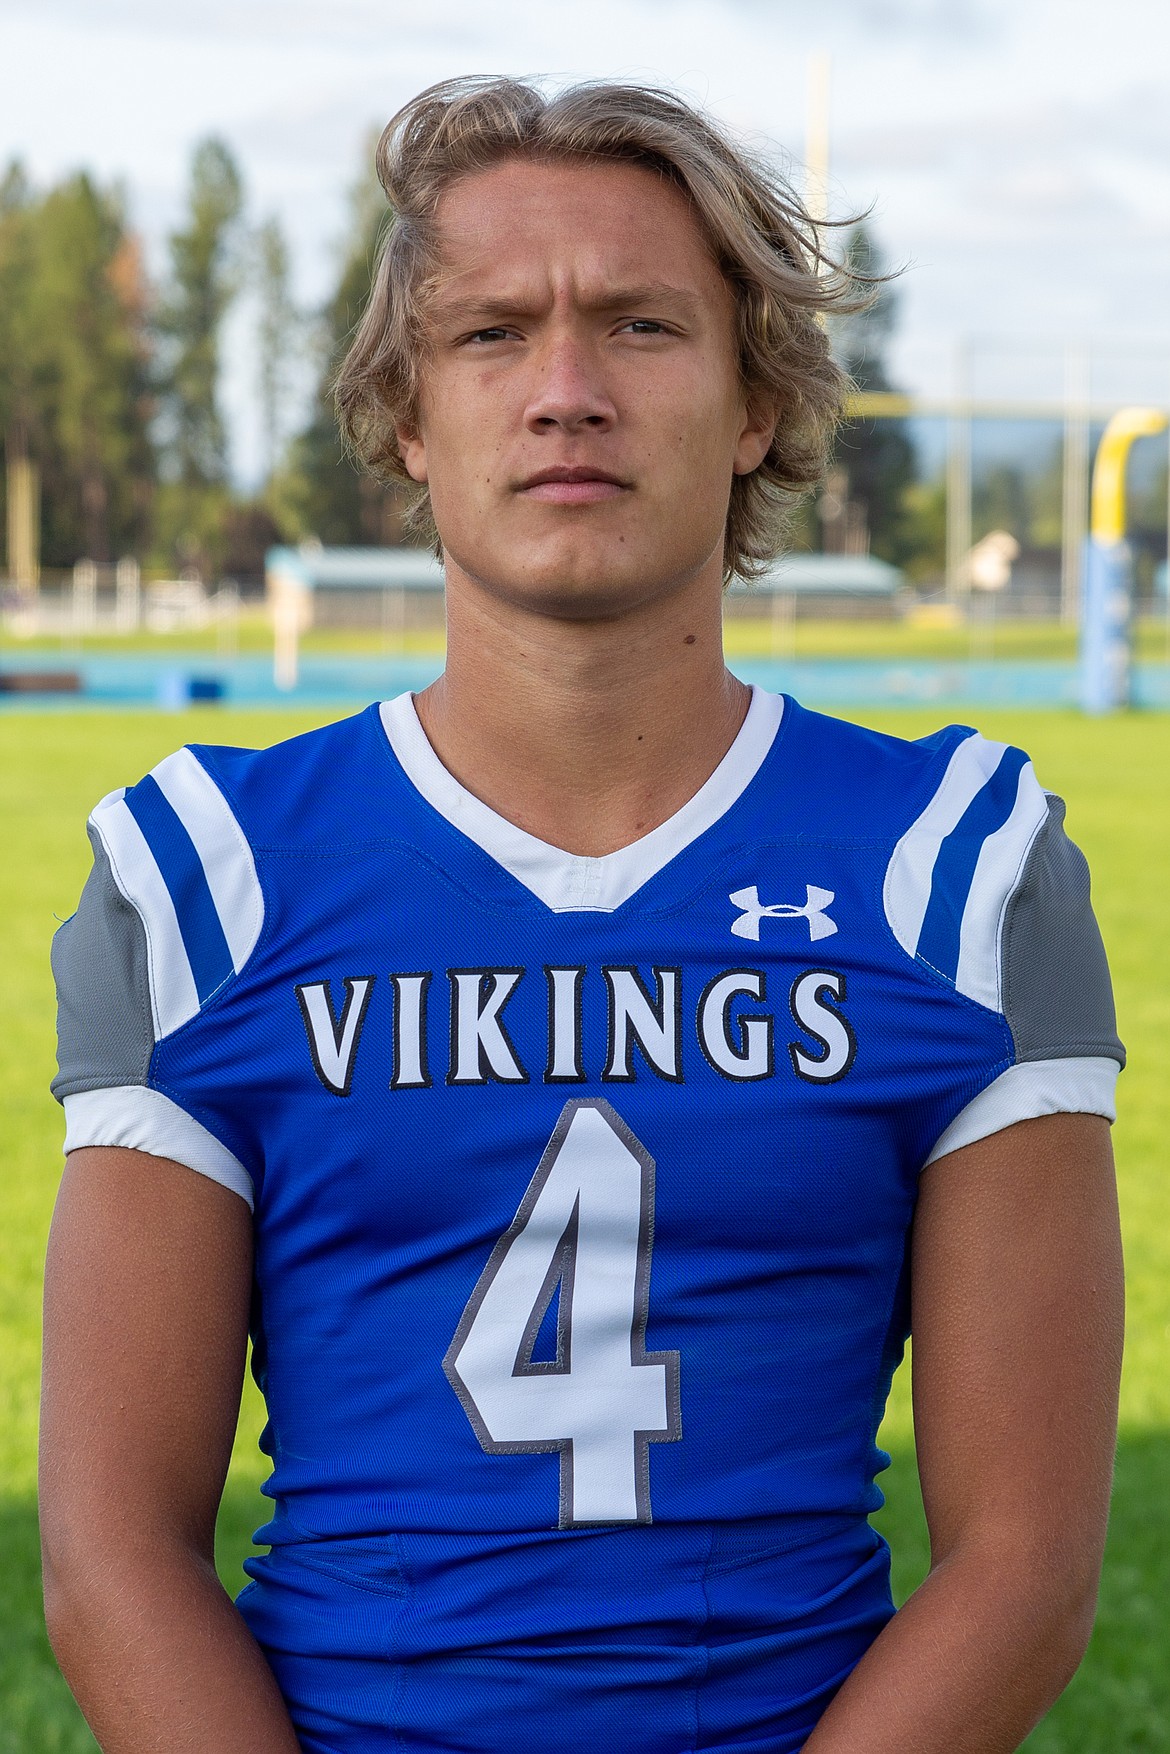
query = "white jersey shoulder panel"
x=223 y=849
x=954 y=871
x=179 y=856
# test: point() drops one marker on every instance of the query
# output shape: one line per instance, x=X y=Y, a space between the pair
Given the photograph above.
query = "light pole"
x=1074 y=516
x=1108 y=568
x=958 y=490
x=816 y=150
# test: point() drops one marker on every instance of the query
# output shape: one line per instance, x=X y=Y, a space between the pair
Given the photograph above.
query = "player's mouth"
x=572 y=486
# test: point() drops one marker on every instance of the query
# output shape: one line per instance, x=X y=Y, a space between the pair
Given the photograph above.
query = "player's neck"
x=585 y=734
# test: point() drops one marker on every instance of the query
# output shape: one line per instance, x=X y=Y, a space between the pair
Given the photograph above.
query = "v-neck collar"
x=569 y=882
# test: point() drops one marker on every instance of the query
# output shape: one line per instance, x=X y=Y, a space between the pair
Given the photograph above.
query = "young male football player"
x=581 y=1077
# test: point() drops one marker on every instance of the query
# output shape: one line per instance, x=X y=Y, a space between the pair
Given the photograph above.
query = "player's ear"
x=757 y=429
x=413 y=451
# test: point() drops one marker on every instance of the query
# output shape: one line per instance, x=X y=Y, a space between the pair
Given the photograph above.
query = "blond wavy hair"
x=764 y=240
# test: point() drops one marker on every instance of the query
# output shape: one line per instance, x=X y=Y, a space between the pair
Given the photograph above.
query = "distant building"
x=352 y=586
x=347 y=587
x=827 y=584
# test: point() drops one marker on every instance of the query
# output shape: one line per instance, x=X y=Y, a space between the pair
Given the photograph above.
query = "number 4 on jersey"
x=586 y=1226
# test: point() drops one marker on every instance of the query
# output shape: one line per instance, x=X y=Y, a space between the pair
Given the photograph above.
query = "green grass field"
x=1116 y=776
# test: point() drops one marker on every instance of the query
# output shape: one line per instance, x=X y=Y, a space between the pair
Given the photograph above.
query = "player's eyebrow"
x=649 y=293
x=645 y=296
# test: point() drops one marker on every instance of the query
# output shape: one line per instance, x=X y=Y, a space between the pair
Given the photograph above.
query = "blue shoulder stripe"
x=958 y=855
x=186 y=880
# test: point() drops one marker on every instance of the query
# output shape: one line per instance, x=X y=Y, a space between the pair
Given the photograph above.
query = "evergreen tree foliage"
x=205 y=276
x=876 y=455
x=323 y=494
x=74 y=364
x=17 y=373
x=276 y=336
x=204 y=280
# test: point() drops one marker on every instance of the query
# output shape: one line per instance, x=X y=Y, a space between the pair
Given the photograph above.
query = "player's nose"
x=568 y=390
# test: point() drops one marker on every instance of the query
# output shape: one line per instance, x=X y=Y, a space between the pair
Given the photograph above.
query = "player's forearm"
x=970 y=1663
x=159 y=1660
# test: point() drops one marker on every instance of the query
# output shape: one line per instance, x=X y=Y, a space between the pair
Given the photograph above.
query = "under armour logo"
x=748 y=923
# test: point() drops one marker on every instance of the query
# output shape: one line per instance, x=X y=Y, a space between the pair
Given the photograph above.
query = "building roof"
x=836 y=575
x=357 y=569
x=416 y=569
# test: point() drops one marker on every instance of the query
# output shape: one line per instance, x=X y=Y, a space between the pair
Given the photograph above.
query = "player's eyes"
x=497 y=332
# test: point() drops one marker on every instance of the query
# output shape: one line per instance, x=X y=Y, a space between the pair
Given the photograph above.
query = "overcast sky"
x=1017 y=151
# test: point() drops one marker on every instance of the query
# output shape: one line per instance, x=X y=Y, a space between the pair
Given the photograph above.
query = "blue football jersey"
x=581 y=1189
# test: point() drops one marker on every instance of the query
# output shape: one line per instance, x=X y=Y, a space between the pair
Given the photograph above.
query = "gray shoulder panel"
x=1057 y=995
x=105 y=1031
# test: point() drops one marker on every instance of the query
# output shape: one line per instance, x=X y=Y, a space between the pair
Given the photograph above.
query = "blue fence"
x=333 y=682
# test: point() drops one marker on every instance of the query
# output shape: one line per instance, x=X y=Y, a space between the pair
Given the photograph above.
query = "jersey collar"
x=569 y=882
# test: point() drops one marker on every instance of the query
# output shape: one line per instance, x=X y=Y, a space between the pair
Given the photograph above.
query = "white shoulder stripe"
x=173 y=996
x=909 y=876
x=997 y=871
x=223 y=851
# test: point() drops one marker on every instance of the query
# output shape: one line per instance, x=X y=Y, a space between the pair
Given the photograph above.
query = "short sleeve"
x=1056 y=996
x=105 y=1030
x=129 y=967
x=985 y=891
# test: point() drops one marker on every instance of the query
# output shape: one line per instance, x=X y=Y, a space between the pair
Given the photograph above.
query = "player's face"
x=582 y=414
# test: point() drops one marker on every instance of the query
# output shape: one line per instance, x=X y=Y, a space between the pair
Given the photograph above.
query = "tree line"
x=109 y=384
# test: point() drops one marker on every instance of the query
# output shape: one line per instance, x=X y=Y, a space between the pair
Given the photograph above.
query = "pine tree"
x=277 y=337
x=193 y=501
x=204 y=281
x=876 y=456
x=74 y=391
x=322 y=492
x=91 y=306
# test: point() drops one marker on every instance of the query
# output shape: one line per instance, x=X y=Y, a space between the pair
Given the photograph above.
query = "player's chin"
x=580 y=572
x=585 y=584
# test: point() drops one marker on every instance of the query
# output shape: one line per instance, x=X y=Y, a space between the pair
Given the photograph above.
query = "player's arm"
x=1017 y=1313
x=146 y=1311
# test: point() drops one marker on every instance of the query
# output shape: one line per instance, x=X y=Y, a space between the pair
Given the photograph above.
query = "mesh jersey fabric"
x=582 y=1192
